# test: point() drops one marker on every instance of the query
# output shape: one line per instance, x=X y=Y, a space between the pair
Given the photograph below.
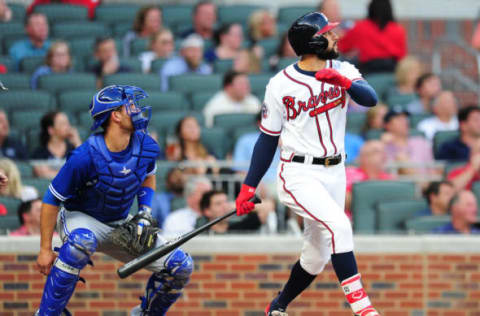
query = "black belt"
x=327 y=161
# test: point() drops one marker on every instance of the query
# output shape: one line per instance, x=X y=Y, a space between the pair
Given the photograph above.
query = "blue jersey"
x=81 y=187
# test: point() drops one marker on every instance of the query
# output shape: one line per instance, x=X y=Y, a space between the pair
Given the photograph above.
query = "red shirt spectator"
x=464 y=170
x=89 y=4
x=3 y=210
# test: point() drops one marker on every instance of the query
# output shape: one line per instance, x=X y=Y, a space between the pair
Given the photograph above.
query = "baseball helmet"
x=306 y=33
x=112 y=97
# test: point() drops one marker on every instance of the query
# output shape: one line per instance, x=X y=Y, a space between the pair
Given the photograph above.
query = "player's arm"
x=48 y=218
x=147 y=189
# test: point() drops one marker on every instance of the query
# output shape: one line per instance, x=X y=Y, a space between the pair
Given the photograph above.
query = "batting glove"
x=332 y=76
x=244 y=206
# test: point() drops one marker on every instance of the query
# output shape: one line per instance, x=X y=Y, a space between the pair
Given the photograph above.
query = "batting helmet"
x=305 y=34
x=113 y=97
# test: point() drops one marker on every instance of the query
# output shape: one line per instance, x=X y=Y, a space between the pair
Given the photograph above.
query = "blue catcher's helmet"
x=113 y=97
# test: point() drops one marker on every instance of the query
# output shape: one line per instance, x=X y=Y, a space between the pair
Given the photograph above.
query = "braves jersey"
x=308 y=114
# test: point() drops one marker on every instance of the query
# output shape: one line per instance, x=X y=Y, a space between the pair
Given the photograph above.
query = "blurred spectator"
x=162 y=45
x=204 y=19
x=183 y=220
x=400 y=146
x=14 y=187
x=37 y=44
x=162 y=201
x=284 y=50
x=476 y=37
x=89 y=4
x=331 y=9
x=189 y=146
x=427 y=87
x=445 y=110
x=228 y=42
x=463 y=210
x=374 y=119
x=235 y=97
x=353 y=144
x=3 y=210
x=29 y=217
x=465 y=175
x=379 y=41
x=438 y=195
x=148 y=21
x=3 y=69
x=459 y=148
x=5 y=12
x=3 y=181
x=107 y=59
x=371 y=166
x=261 y=25
x=189 y=61
x=407 y=72
x=9 y=146
x=58 y=60
x=57 y=139
x=247 y=62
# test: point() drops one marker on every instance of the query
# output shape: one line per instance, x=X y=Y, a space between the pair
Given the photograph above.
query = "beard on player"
x=329 y=53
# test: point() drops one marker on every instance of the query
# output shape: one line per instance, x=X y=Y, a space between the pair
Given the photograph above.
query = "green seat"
x=381 y=83
x=7 y=62
x=166 y=101
x=57 y=83
x=82 y=47
x=12 y=28
x=191 y=83
x=441 y=137
x=40 y=184
x=27 y=100
x=69 y=30
x=148 y=82
x=11 y=204
x=84 y=119
x=229 y=122
x=221 y=66
x=8 y=224
x=289 y=14
x=18 y=12
x=114 y=13
x=75 y=101
x=285 y=62
x=258 y=83
x=157 y=64
x=269 y=46
x=32 y=135
x=9 y=40
x=392 y=215
x=426 y=224
x=239 y=13
x=30 y=64
x=374 y=134
x=239 y=132
x=139 y=45
x=476 y=191
x=178 y=14
x=417 y=118
x=200 y=99
x=120 y=29
x=366 y=195
x=15 y=81
x=355 y=122
x=25 y=168
x=216 y=141
x=165 y=122
x=133 y=63
x=178 y=203
x=27 y=119
x=63 y=12
x=400 y=100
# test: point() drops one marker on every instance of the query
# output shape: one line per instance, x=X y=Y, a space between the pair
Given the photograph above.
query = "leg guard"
x=164 y=288
x=73 y=256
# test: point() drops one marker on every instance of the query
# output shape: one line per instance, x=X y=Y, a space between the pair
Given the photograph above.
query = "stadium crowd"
x=205 y=68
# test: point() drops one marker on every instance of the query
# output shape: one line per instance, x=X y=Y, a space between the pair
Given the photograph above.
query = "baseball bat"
x=152 y=255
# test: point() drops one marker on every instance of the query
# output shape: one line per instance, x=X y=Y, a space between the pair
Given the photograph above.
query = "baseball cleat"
x=275 y=311
x=369 y=311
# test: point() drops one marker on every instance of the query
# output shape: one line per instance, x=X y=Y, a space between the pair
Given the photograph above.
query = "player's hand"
x=244 y=206
x=332 y=76
x=45 y=261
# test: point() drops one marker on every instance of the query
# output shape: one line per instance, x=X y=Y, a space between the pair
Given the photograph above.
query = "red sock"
x=357 y=297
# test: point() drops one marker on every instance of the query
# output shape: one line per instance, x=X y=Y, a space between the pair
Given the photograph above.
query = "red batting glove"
x=244 y=206
x=332 y=76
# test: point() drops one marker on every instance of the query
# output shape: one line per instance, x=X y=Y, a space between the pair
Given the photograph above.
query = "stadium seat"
x=15 y=81
x=57 y=83
x=381 y=83
x=12 y=28
x=27 y=100
x=417 y=118
x=289 y=14
x=133 y=63
x=117 y=13
x=41 y=184
x=9 y=40
x=63 y=12
x=229 y=122
x=18 y=12
x=120 y=29
x=32 y=135
x=392 y=215
x=443 y=136
x=8 y=224
x=148 y=82
x=284 y=62
x=75 y=101
x=82 y=47
x=11 y=204
x=399 y=100
x=238 y=132
x=25 y=168
x=476 y=191
x=166 y=101
x=269 y=46
x=200 y=99
x=236 y=13
x=189 y=84
x=157 y=64
x=84 y=120
x=216 y=141
x=374 y=134
x=366 y=195
x=178 y=14
x=69 y=30
x=355 y=122
x=139 y=45
x=27 y=119
x=425 y=224
x=178 y=203
x=7 y=62
x=221 y=66
x=30 y=64
x=165 y=122
x=259 y=82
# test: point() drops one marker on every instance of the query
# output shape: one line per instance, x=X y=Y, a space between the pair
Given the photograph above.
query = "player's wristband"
x=145 y=196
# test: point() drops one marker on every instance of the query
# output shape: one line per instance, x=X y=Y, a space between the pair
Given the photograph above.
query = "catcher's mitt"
x=136 y=238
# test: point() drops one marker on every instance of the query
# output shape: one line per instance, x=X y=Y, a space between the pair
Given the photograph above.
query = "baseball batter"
x=306 y=105
x=95 y=189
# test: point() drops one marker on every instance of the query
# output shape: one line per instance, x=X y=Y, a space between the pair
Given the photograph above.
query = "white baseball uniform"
x=310 y=117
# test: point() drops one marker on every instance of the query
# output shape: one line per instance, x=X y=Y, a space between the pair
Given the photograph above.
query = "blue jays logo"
x=264 y=111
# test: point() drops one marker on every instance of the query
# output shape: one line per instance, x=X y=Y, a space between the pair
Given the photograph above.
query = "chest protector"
x=118 y=182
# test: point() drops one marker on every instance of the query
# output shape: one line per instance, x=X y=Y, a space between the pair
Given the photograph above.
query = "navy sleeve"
x=262 y=157
x=362 y=93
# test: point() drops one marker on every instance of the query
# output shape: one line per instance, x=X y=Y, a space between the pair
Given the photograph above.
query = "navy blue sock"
x=344 y=265
x=299 y=280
